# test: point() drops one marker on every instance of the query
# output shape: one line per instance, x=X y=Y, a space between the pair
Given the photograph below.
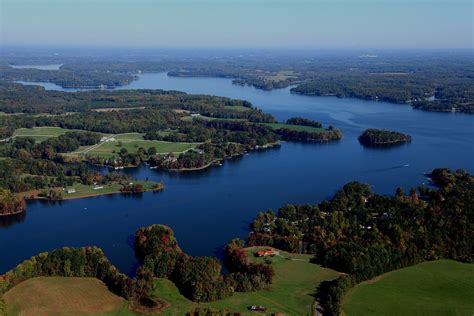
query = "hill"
x=443 y=287
x=48 y=295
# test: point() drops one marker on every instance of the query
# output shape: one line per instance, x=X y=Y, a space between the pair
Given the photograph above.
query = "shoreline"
x=87 y=196
x=99 y=194
x=14 y=213
x=266 y=146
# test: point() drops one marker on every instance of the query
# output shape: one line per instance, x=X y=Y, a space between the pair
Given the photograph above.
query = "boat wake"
x=387 y=169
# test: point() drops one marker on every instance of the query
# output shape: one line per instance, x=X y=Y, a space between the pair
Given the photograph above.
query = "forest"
x=198 y=278
x=380 y=137
x=431 y=81
x=364 y=234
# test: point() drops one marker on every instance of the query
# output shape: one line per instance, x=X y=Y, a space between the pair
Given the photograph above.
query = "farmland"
x=40 y=134
x=129 y=141
x=132 y=142
x=48 y=295
x=441 y=287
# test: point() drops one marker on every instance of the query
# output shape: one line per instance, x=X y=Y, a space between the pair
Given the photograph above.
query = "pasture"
x=442 y=287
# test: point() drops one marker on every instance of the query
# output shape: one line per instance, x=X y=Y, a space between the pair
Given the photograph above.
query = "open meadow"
x=132 y=142
x=40 y=134
x=443 y=287
x=64 y=296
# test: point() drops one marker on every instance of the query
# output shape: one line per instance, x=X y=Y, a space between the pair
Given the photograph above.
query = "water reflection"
x=10 y=220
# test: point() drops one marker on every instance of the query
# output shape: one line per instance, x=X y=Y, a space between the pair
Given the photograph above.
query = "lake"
x=207 y=208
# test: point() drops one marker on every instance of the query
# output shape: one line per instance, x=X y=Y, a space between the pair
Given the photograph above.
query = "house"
x=69 y=191
x=266 y=252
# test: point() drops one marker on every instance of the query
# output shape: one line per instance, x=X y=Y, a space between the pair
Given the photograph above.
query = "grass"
x=443 y=287
x=88 y=190
x=207 y=118
x=64 y=296
x=129 y=141
x=83 y=190
x=40 y=134
x=295 y=127
x=294 y=284
x=280 y=75
x=111 y=149
x=237 y=108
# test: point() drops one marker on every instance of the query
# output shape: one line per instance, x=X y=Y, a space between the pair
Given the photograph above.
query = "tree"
x=151 y=151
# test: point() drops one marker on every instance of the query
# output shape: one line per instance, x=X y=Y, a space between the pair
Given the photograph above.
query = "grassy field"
x=131 y=142
x=41 y=133
x=88 y=190
x=237 y=108
x=207 y=118
x=64 y=296
x=291 y=292
x=295 y=127
x=441 y=287
x=83 y=191
x=281 y=75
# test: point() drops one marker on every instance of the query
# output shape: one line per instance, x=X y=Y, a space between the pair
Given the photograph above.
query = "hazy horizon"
x=245 y=24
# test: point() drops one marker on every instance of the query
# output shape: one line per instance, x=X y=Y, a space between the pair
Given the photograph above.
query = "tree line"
x=198 y=278
x=364 y=234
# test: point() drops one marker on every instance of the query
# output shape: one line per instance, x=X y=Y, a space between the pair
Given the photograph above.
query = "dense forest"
x=364 y=234
x=198 y=278
x=10 y=204
x=433 y=81
x=67 y=78
x=456 y=96
x=380 y=137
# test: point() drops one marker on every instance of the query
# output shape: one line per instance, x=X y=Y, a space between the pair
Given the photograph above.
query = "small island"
x=380 y=137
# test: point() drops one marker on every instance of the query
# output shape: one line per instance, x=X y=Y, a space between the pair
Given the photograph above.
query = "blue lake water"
x=207 y=208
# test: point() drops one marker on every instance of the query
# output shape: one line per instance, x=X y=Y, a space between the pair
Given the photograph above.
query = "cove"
x=209 y=207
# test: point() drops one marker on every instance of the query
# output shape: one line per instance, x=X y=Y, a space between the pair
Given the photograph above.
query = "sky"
x=430 y=24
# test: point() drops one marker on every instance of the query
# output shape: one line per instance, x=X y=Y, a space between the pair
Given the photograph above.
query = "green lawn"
x=291 y=292
x=85 y=190
x=295 y=127
x=441 y=287
x=111 y=149
x=129 y=136
x=41 y=133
